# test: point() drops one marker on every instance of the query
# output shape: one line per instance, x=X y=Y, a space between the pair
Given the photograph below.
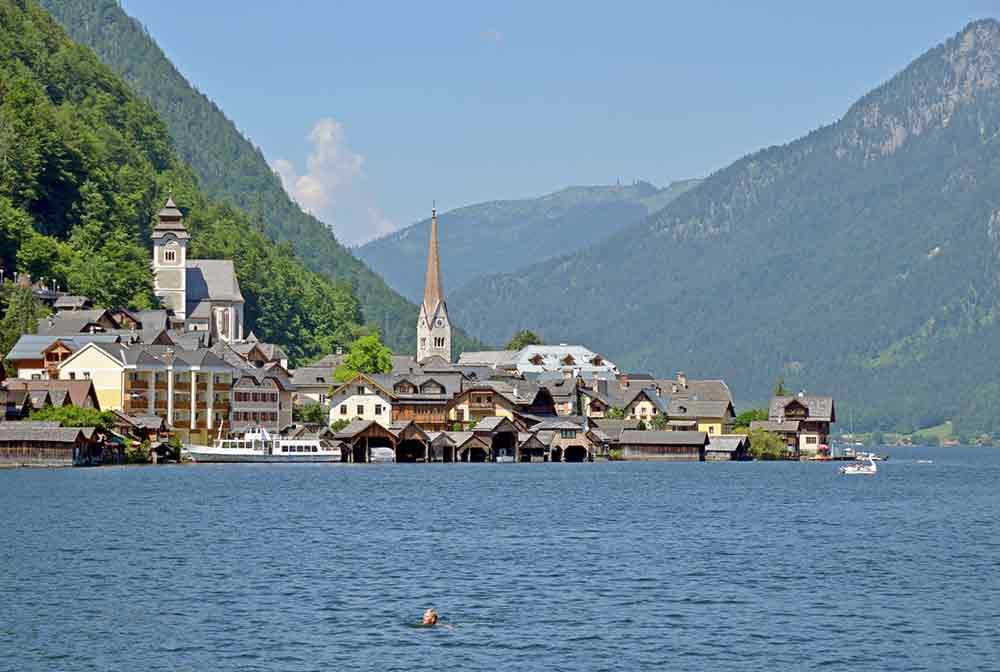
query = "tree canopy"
x=366 y=355
x=522 y=339
x=86 y=164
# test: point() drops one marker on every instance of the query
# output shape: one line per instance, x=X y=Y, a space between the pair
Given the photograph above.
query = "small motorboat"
x=925 y=461
x=865 y=467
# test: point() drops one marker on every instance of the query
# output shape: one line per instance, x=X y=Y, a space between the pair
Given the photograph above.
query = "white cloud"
x=333 y=187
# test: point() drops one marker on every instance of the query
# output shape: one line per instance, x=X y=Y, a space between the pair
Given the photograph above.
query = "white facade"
x=360 y=400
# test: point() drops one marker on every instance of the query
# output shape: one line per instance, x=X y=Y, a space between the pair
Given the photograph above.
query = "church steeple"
x=432 y=283
x=433 y=326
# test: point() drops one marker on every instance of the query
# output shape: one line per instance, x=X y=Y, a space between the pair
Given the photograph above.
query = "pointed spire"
x=170 y=218
x=433 y=295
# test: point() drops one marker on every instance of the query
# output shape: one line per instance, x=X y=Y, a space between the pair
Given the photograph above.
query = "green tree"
x=366 y=355
x=743 y=420
x=314 y=414
x=338 y=425
x=523 y=339
x=660 y=422
x=73 y=416
x=766 y=445
x=21 y=317
x=615 y=413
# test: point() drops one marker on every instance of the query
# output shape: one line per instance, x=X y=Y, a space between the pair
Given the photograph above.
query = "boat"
x=258 y=445
x=382 y=455
x=864 y=467
x=925 y=461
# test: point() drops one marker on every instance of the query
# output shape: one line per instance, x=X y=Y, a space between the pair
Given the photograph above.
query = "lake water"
x=748 y=566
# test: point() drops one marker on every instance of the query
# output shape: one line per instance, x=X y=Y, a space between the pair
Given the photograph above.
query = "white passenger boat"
x=382 y=455
x=260 y=446
x=865 y=467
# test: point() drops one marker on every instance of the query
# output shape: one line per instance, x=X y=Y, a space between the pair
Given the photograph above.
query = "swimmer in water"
x=431 y=619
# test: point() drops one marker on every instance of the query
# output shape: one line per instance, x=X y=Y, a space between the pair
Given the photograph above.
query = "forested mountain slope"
x=84 y=166
x=230 y=167
x=503 y=236
x=862 y=260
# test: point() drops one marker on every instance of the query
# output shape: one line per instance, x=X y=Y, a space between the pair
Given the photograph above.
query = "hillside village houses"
x=192 y=368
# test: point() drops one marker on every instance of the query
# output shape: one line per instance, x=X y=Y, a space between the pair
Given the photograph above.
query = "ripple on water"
x=603 y=566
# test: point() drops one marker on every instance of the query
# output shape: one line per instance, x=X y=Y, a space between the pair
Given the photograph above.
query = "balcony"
x=160 y=385
x=202 y=387
x=137 y=384
x=223 y=386
x=183 y=404
x=160 y=404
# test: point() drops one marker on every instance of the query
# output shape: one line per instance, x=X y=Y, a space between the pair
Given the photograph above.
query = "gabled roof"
x=72 y=322
x=312 y=376
x=649 y=393
x=690 y=408
x=493 y=424
x=210 y=280
x=78 y=391
x=727 y=442
x=788 y=426
x=28 y=432
x=820 y=409
x=31 y=346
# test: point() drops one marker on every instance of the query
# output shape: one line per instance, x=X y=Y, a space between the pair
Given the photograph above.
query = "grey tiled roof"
x=726 y=442
x=16 y=431
x=774 y=426
x=311 y=376
x=820 y=408
x=689 y=408
x=654 y=438
x=31 y=346
x=210 y=280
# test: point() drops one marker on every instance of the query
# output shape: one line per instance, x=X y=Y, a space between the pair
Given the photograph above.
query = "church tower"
x=433 y=326
x=170 y=239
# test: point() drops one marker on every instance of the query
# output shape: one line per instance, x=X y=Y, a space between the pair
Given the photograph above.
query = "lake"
x=605 y=566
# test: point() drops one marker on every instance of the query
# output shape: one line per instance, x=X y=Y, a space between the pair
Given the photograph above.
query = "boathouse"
x=650 y=445
x=359 y=437
x=46 y=444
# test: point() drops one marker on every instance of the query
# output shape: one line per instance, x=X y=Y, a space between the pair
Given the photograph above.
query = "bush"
x=766 y=445
x=616 y=454
x=338 y=425
x=136 y=452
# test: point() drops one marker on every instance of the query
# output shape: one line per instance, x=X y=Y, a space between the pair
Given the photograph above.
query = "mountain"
x=502 y=236
x=862 y=259
x=84 y=166
x=230 y=167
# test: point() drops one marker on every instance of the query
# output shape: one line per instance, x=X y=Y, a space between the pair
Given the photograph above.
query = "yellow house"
x=712 y=417
x=645 y=405
x=99 y=364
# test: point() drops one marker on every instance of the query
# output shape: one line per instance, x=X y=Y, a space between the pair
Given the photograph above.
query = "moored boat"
x=260 y=446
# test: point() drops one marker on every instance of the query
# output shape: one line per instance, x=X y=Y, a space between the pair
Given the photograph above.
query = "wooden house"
x=652 y=445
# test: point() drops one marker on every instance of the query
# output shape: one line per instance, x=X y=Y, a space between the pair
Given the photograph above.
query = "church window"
x=423 y=342
x=439 y=341
x=170 y=255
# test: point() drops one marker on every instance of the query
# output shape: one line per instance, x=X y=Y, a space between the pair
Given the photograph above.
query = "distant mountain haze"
x=503 y=236
x=861 y=260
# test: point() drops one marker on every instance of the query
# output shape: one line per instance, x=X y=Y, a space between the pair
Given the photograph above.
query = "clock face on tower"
x=440 y=322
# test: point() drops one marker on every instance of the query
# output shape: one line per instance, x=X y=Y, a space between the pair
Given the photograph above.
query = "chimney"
x=682 y=379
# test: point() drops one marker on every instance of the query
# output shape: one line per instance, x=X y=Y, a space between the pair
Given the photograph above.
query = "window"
x=322 y=398
x=361 y=409
x=711 y=429
x=361 y=389
x=170 y=255
x=72 y=375
x=343 y=409
x=812 y=439
x=378 y=409
x=439 y=341
x=36 y=376
x=568 y=433
x=423 y=342
x=86 y=375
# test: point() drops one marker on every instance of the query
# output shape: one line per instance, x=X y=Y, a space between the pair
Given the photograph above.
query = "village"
x=190 y=372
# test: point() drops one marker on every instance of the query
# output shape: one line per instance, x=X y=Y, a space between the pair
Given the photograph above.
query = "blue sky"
x=372 y=110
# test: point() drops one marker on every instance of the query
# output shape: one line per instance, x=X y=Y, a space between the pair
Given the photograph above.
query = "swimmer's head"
x=431 y=617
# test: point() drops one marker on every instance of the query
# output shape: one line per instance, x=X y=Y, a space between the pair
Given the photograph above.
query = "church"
x=200 y=295
x=433 y=326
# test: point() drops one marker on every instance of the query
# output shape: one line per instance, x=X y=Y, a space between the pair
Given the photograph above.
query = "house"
x=361 y=398
x=312 y=384
x=200 y=294
x=672 y=445
x=480 y=400
x=422 y=398
x=261 y=399
x=645 y=404
x=37 y=356
x=259 y=354
x=722 y=447
x=712 y=417
x=190 y=389
x=814 y=415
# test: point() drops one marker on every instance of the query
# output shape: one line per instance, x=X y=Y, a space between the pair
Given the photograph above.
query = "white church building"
x=200 y=294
